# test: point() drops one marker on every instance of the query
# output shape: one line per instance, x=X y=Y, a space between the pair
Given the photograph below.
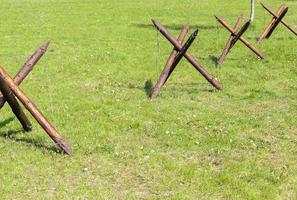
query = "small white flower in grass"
x=146 y=157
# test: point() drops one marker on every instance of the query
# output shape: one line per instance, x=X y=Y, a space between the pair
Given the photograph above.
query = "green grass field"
x=189 y=143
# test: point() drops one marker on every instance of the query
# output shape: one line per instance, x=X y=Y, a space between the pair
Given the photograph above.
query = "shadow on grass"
x=175 y=87
x=214 y=59
x=148 y=88
x=11 y=135
x=176 y=26
x=5 y=122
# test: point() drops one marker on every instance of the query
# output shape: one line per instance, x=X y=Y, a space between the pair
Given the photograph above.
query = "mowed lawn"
x=189 y=143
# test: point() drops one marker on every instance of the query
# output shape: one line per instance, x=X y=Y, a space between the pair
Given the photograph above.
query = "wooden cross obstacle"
x=237 y=35
x=179 y=51
x=277 y=18
x=10 y=91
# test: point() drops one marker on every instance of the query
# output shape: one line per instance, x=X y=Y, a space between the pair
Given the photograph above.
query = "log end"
x=217 y=84
x=65 y=147
x=44 y=47
x=156 y=24
x=28 y=128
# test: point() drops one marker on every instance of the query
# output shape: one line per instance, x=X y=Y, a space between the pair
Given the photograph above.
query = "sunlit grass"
x=189 y=143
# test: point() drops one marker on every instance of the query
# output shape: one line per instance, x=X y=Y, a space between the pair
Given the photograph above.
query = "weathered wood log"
x=240 y=33
x=14 y=105
x=168 y=66
x=184 y=49
x=227 y=47
x=277 y=21
x=268 y=27
x=282 y=21
x=242 y=39
x=188 y=56
x=27 y=68
x=182 y=52
x=40 y=118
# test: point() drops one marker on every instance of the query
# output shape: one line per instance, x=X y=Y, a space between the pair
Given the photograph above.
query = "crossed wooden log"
x=237 y=35
x=177 y=54
x=10 y=91
x=277 y=18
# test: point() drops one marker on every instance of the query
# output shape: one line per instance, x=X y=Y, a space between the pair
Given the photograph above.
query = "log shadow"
x=177 y=26
x=148 y=88
x=5 y=122
x=11 y=135
x=214 y=59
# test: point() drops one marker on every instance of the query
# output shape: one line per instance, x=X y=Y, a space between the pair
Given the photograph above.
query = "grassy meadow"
x=189 y=143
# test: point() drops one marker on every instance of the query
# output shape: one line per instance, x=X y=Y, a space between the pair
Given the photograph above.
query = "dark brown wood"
x=242 y=39
x=168 y=66
x=188 y=56
x=268 y=27
x=14 y=105
x=227 y=47
x=185 y=48
x=182 y=52
x=277 y=21
x=36 y=113
x=27 y=68
x=282 y=21
x=240 y=33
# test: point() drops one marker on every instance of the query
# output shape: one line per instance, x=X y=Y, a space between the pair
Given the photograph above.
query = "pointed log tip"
x=218 y=18
x=154 y=23
x=195 y=33
x=44 y=47
x=187 y=25
x=65 y=147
